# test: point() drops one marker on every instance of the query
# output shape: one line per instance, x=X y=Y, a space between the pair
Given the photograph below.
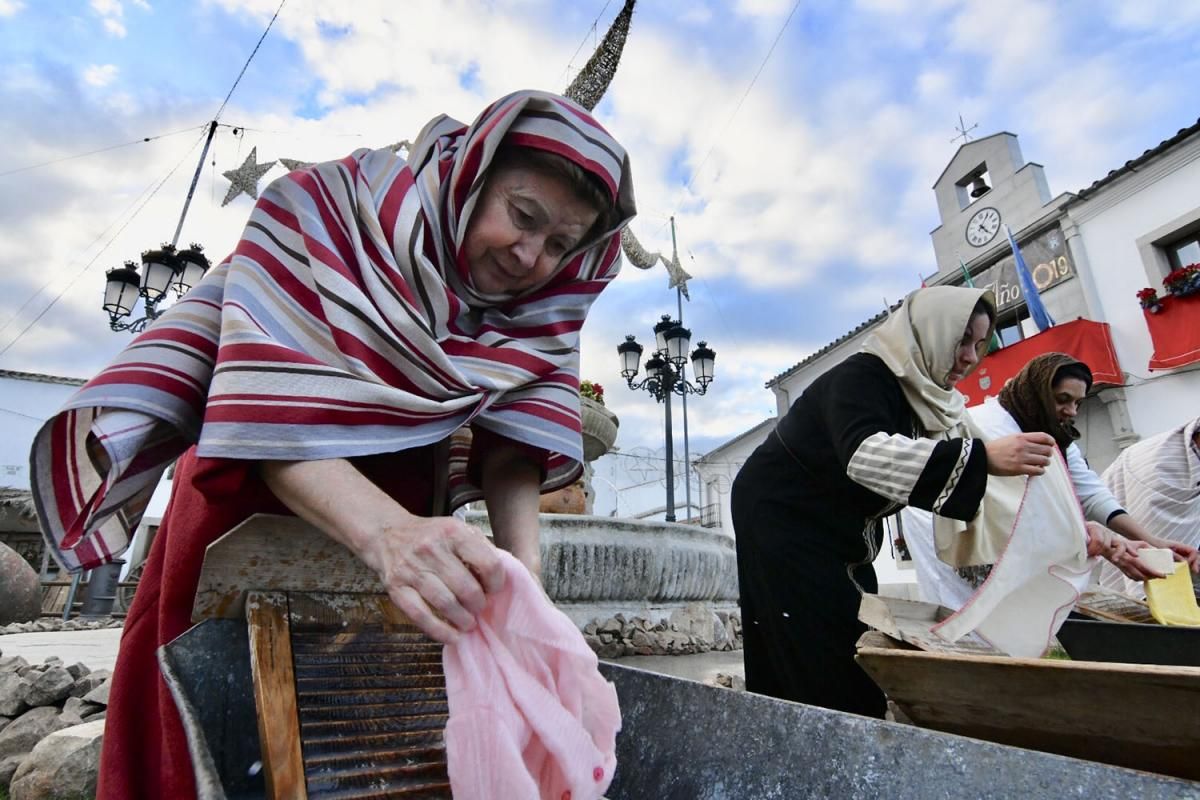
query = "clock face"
x=983 y=227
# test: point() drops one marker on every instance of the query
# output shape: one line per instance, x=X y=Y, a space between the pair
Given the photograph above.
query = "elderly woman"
x=373 y=307
x=1044 y=396
x=883 y=429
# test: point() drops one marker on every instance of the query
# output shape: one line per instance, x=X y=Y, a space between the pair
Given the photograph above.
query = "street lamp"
x=163 y=270
x=665 y=376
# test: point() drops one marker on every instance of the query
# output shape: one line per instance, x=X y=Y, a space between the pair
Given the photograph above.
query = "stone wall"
x=693 y=629
x=36 y=701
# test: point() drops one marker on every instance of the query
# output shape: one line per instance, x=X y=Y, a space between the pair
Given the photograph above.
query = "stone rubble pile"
x=693 y=629
x=47 y=624
x=51 y=727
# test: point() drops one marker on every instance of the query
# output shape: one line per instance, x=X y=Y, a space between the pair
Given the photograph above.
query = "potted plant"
x=599 y=424
x=1149 y=300
x=1183 y=281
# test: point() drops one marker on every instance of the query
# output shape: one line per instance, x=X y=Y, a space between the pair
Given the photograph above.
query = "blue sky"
x=800 y=205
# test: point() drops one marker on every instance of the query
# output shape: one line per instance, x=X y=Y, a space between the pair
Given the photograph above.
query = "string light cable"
x=143 y=140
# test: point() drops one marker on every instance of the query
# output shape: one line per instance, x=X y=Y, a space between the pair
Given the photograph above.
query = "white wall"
x=719 y=467
x=1110 y=224
x=24 y=406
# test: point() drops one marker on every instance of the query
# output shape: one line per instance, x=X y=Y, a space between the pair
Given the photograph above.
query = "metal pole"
x=687 y=462
x=212 y=128
x=669 y=383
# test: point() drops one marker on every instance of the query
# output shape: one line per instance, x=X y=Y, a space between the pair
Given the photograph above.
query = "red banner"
x=1175 y=332
x=1088 y=341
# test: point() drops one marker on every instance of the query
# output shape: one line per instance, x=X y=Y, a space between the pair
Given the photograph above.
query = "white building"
x=1089 y=252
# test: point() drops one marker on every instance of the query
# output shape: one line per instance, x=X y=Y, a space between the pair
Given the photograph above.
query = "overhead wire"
x=107 y=244
x=143 y=140
x=204 y=132
x=583 y=42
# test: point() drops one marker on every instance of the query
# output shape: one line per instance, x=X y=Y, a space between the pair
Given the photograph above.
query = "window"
x=1008 y=326
x=1184 y=251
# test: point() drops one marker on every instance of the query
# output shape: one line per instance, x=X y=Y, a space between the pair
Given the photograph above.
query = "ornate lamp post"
x=163 y=270
x=665 y=376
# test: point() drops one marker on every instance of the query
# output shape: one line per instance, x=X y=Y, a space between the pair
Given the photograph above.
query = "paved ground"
x=97 y=648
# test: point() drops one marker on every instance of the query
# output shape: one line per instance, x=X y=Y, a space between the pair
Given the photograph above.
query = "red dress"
x=145 y=750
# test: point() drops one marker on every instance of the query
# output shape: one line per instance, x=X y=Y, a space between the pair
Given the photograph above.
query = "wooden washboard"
x=351 y=697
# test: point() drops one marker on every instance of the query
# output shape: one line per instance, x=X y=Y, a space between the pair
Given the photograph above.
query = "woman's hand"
x=436 y=570
x=1119 y=551
x=1020 y=454
x=1183 y=552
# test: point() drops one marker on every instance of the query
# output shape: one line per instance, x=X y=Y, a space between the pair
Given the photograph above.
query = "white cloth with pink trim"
x=1043 y=566
x=531 y=717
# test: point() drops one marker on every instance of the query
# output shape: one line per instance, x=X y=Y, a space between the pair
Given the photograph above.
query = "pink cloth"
x=530 y=714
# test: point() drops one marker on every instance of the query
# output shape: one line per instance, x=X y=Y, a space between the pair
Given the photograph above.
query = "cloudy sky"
x=802 y=197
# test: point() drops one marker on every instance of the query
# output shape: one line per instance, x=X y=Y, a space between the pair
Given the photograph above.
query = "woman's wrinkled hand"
x=1020 y=454
x=438 y=571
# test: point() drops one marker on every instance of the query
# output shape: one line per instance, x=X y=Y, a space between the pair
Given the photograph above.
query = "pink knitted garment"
x=530 y=715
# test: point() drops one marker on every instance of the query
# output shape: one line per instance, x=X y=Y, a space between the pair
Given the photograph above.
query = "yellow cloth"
x=1172 y=601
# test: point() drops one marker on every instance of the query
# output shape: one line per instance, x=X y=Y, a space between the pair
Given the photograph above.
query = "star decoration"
x=679 y=276
x=245 y=178
x=293 y=165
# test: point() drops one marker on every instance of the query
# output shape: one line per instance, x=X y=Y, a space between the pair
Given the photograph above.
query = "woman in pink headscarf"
x=373 y=307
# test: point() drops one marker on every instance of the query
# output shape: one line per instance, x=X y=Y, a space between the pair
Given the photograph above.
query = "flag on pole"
x=1033 y=300
x=995 y=344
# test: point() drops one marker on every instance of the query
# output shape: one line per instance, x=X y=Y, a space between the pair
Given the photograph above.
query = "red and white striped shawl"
x=344 y=324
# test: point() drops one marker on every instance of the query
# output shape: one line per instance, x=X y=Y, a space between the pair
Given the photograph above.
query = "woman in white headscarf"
x=883 y=429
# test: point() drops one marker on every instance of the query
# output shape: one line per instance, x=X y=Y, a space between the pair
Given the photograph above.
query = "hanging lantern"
x=121 y=290
x=654 y=367
x=159 y=268
x=660 y=332
x=631 y=355
x=703 y=361
x=192 y=266
x=678 y=339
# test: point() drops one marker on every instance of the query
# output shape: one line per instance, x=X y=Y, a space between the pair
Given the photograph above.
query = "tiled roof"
x=864 y=326
x=39 y=378
x=1131 y=166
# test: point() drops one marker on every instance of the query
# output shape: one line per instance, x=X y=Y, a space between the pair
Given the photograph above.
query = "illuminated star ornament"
x=245 y=178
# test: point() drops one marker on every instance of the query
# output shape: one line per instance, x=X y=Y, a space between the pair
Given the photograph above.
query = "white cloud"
x=9 y=8
x=100 y=74
x=114 y=27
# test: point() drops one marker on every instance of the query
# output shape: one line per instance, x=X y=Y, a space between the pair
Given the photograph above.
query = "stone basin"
x=597 y=567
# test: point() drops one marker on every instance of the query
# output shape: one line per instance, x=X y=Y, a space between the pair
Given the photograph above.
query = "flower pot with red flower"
x=1183 y=281
x=1149 y=300
x=599 y=424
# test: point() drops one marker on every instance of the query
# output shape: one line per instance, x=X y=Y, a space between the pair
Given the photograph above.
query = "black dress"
x=806 y=507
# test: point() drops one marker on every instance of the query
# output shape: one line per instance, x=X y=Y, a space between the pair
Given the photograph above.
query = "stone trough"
x=680 y=739
x=683 y=740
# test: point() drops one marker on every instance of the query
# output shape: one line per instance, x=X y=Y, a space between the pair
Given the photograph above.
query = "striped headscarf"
x=344 y=324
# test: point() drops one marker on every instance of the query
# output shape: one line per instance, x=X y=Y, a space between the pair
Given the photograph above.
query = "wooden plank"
x=275 y=554
x=911 y=621
x=1139 y=716
x=275 y=694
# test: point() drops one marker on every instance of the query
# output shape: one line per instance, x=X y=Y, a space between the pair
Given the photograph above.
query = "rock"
x=697 y=620
x=721 y=640
x=12 y=694
x=12 y=664
x=50 y=687
x=89 y=682
x=609 y=650
x=52 y=661
x=640 y=639
x=78 y=670
x=611 y=626
x=591 y=628
x=22 y=591
x=4 y=721
x=99 y=695
x=20 y=736
x=63 y=765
